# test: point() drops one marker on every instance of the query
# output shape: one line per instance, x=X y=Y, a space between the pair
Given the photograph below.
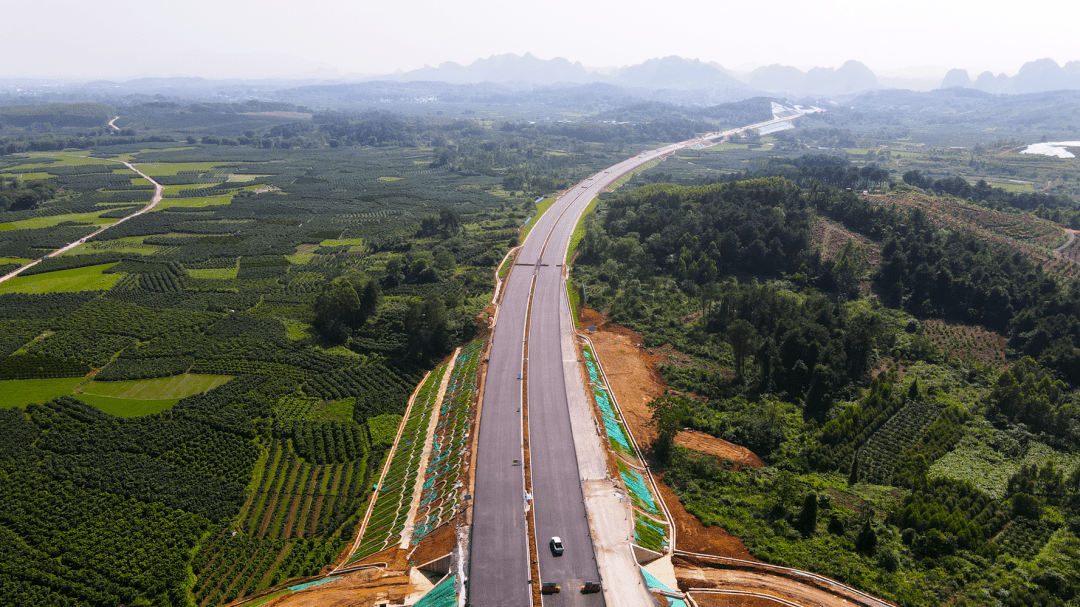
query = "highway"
x=499 y=573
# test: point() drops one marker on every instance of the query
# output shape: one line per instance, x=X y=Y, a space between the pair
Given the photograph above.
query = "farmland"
x=215 y=386
x=234 y=275
x=89 y=278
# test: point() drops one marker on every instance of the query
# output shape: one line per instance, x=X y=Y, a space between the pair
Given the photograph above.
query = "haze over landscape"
x=338 y=39
x=602 y=304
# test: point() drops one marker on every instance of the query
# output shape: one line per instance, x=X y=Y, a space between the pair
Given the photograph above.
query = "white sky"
x=248 y=38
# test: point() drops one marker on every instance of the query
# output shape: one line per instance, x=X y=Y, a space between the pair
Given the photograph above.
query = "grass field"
x=304 y=253
x=131 y=244
x=245 y=178
x=173 y=190
x=63 y=281
x=215 y=273
x=25 y=176
x=155 y=169
x=193 y=202
x=22 y=392
x=47 y=222
x=579 y=229
x=4 y=260
x=127 y=407
x=342 y=242
x=122 y=398
x=162 y=388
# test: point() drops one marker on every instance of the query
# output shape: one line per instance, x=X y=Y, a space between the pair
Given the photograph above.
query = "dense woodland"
x=825 y=368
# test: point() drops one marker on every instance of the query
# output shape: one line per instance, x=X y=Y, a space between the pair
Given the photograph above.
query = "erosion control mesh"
x=652 y=582
x=639 y=490
x=614 y=428
x=443 y=595
x=312 y=584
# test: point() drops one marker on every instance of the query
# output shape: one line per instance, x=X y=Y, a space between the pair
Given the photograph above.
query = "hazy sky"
x=216 y=38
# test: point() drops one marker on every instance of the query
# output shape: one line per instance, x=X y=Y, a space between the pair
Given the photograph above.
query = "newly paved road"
x=499 y=569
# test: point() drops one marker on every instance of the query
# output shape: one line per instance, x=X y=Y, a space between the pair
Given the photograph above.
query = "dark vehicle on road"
x=550 y=588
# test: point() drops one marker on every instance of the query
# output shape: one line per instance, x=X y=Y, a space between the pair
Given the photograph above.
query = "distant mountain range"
x=673 y=72
x=1034 y=77
x=679 y=74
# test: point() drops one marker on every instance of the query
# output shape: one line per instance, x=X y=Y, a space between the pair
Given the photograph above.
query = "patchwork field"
x=175 y=387
x=90 y=278
x=22 y=392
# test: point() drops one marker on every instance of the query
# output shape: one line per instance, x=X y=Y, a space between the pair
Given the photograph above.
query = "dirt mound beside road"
x=706 y=443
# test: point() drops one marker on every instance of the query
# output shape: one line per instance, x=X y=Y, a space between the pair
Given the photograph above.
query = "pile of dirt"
x=706 y=443
x=816 y=592
x=358 y=589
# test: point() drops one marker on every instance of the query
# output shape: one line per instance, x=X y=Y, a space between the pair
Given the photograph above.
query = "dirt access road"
x=158 y=190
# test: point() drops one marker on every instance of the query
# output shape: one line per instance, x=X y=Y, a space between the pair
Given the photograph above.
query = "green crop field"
x=22 y=392
x=159 y=169
x=342 y=242
x=215 y=273
x=48 y=222
x=127 y=407
x=193 y=202
x=162 y=388
x=90 y=278
x=132 y=245
x=25 y=176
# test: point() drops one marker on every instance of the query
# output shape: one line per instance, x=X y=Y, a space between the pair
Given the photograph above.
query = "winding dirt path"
x=1060 y=251
x=112 y=123
x=158 y=191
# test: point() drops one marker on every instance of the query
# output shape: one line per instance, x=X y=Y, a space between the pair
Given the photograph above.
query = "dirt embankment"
x=633 y=373
x=635 y=379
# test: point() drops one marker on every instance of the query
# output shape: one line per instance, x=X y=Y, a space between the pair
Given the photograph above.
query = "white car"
x=556 y=546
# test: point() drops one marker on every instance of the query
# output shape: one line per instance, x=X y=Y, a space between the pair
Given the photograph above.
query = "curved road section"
x=499 y=572
x=499 y=564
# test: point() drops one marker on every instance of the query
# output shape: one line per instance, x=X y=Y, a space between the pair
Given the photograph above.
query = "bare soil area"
x=725 y=600
x=631 y=371
x=706 y=443
x=360 y=589
x=832 y=237
x=697 y=573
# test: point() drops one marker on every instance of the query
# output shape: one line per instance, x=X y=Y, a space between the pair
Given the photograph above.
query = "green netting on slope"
x=649 y=534
x=315 y=583
x=639 y=490
x=443 y=595
x=652 y=582
x=612 y=425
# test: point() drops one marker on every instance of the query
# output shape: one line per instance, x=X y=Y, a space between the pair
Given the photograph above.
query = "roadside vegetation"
x=917 y=417
x=195 y=403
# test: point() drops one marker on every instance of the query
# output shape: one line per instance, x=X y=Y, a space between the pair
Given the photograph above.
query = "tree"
x=866 y=541
x=334 y=310
x=669 y=413
x=743 y=339
x=808 y=515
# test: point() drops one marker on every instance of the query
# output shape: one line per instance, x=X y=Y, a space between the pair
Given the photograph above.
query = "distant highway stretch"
x=499 y=572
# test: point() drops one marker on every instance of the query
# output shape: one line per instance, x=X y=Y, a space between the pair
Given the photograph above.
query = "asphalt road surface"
x=499 y=574
x=499 y=569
